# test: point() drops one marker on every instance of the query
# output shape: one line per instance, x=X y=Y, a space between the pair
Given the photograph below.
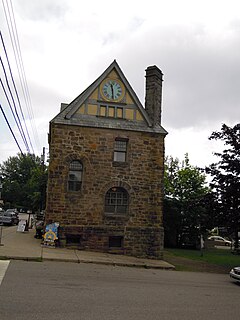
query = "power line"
x=11 y=130
x=12 y=28
x=5 y=50
x=21 y=133
x=17 y=120
x=25 y=80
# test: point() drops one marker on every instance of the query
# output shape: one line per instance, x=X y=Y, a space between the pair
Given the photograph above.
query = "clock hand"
x=112 y=91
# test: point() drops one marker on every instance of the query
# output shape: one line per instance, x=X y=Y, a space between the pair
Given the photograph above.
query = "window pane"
x=75 y=176
x=119 y=112
x=75 y=165
x=103 y=111
x=116 y=201
x=109 y=209
x=121 y=209
x=120 y=145
x=111 y=111
x=74 y=185
x=119 y=156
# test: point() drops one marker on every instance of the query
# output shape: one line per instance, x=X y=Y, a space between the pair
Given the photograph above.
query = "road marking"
x=3 y=268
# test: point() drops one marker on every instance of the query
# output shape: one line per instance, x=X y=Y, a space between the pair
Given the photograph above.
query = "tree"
x=184 y=210
x=226 y=179
x=24 y=179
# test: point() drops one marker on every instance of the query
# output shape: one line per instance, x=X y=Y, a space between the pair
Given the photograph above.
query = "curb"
x=35 y=259
x=112 y=263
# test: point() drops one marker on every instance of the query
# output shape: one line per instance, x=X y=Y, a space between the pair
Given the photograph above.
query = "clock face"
x=112 y=90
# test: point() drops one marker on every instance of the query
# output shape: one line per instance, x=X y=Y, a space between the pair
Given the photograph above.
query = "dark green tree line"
x=184 y=203
x=24 y=179
x=225 y=182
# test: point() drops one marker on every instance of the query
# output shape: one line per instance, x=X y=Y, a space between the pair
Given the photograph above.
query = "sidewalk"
x=23 y=246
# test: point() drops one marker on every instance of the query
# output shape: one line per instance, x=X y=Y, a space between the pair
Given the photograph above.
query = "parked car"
x=220 y=241
x=9 y=218
x=235 y=273
x=12 y=210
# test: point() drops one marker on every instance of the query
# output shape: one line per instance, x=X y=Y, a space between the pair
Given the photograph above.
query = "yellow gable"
x=111 y=99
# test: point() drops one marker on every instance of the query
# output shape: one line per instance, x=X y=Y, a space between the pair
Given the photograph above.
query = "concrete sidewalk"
x=23 y=246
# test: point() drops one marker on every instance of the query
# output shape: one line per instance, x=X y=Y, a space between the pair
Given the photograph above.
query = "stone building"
x=105 y=185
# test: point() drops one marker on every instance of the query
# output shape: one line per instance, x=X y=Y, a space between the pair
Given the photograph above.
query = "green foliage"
x=24 y=181
x=183 y=181
x=184 y=209
x=226 y=180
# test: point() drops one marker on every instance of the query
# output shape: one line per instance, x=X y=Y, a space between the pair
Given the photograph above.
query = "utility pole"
x=43 y=157
x=43 y=169
x=1 y=202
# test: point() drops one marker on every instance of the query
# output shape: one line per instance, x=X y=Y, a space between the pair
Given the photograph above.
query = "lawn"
x=220 y=257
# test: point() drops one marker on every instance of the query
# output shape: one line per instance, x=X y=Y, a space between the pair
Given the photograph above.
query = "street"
x=63 y=290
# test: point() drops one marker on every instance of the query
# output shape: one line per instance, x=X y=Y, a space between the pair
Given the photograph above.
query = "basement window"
x=73 y=239
x=116 y=242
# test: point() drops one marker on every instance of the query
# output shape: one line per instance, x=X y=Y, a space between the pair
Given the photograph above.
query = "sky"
x=67 y=44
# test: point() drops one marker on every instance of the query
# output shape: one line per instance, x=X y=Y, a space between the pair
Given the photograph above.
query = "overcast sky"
x=67 y=44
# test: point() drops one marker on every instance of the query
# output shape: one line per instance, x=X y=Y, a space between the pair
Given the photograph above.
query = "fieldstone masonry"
x=83 y=221
x=153 y=99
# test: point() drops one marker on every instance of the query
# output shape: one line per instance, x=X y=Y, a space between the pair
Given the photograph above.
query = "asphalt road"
x=54 y=290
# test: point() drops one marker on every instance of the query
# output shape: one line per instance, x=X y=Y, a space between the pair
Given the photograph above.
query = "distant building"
x=105 y=184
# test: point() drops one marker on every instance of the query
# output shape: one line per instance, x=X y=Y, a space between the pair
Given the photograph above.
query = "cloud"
x=43 y=10
x=66 y=45
x=201 y=82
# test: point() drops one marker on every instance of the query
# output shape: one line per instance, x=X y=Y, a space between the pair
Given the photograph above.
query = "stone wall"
x=83 y=222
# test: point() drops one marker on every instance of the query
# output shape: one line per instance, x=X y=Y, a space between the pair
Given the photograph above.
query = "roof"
x=69 y=114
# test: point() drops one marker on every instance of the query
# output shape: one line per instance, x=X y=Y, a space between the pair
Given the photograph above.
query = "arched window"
x=75 y=176
x=116 y=201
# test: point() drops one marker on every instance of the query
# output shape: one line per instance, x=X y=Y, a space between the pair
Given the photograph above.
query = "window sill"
x=122 y=164
x=115 y=216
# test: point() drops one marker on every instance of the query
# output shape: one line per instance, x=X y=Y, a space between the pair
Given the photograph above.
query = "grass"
x=220 y=257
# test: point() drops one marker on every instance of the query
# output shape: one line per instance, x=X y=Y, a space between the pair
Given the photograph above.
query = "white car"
x=220 y=241
x=235 y=273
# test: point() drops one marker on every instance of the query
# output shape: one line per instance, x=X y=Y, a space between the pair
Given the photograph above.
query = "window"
x=119 y=112
x=115 y=242
x=75 y=176
x=111 y=111
x=120 y=150
x=116 y=201
x=73 y=239
x=103 y=111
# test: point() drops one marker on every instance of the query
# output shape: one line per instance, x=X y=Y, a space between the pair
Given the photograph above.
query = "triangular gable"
x=113 y=71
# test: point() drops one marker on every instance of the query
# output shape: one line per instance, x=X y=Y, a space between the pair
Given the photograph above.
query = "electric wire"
x=15 y=48
x=16 y=118
x=11 y=130
x=11 y=24
x=31 y=115
x=16 y=92
x=21 y=133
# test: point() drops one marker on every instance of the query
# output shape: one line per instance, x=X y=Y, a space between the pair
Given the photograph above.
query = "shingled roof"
x=69 y=116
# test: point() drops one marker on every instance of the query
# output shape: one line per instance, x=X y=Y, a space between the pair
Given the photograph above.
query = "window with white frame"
x=75 y=176
x=120 y=150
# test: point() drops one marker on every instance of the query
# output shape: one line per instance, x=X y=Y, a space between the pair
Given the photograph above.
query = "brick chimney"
x=153 y=99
